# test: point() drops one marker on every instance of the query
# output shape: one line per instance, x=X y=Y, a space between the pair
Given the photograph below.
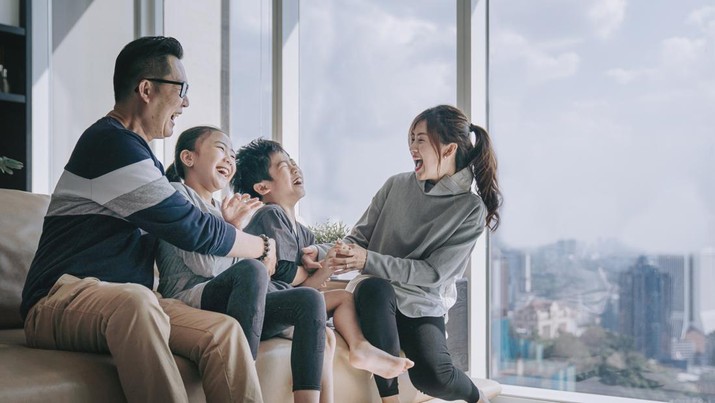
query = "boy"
x=266 y=171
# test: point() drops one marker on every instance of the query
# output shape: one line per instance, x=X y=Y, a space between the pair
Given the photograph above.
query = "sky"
x=601 y=112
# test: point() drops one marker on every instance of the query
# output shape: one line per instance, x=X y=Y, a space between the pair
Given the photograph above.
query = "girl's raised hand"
x=238 y=208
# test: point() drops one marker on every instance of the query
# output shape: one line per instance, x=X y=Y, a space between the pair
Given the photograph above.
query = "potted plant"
x=329 y=232
x=8 y=164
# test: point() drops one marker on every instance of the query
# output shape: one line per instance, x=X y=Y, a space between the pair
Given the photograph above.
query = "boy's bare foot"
x=370 y=358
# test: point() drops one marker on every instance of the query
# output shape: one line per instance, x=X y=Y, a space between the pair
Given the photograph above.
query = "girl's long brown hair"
x=447 y=124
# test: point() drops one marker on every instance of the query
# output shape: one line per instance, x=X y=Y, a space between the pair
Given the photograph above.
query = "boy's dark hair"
x=143 y=57
x=252 y=164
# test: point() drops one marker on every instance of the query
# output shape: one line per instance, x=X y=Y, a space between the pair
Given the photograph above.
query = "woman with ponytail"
x=414 y=242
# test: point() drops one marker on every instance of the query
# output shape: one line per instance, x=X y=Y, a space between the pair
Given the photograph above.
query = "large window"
x=602 y=270
x=228 y=60
x=367 y=68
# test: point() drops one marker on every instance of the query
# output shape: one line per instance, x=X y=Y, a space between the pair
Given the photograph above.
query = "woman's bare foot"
x=370 y=358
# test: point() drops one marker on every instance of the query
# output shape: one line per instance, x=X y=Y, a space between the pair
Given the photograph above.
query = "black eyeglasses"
x=184 y=85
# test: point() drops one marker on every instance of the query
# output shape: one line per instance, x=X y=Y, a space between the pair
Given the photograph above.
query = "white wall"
x=86 y=37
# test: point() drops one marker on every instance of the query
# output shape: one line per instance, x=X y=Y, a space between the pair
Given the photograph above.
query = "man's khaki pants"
x=141 y=331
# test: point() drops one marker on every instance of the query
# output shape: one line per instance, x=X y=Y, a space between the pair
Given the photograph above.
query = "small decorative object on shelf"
x=8 y=164
x=5 y=87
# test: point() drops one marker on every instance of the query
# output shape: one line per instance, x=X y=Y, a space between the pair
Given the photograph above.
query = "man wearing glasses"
x=89 y=287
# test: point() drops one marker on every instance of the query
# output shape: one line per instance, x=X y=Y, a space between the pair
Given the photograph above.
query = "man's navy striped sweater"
x=109 y=207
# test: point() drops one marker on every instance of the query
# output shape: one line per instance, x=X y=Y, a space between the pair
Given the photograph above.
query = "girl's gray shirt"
x=183 y=275
x=421 y=241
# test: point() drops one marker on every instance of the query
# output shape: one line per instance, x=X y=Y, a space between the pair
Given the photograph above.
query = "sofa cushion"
x=350 y=384
x=21 y=217
x=36 y=375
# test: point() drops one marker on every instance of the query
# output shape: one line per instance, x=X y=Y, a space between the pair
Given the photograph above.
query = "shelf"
x=9 y=97
x=11 y=29
x=15 y=106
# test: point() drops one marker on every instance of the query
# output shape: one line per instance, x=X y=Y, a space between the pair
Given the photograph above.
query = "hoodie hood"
x=458 y=183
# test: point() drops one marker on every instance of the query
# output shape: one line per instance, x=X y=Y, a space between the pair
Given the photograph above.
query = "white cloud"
x=704 y=18
x=606 y=16
x=679 y=55
x=622 y=76
x=541 y=65
x=626 y=76
x=548 y=67
x=402 y=31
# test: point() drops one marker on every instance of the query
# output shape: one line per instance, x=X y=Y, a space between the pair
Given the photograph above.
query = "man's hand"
x=239 y=208
x=270 y=260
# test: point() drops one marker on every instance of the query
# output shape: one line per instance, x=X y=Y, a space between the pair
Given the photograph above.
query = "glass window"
x=250 y=70
x=367 y=69
x=227 y=56
x=197 y=25
x=602 y=268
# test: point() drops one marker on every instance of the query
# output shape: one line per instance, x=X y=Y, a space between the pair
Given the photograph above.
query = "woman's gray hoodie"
x=421 y=241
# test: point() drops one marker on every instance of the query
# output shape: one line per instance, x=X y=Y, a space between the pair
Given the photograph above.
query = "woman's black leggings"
x=245 y=292
x=422 y=339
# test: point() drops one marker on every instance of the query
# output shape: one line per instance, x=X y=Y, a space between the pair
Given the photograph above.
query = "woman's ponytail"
x=483 y=164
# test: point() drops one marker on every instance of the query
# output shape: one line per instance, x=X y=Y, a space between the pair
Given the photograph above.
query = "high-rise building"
x=703 y=303
x=516 y=276
x=678 y=268
x=645 y=301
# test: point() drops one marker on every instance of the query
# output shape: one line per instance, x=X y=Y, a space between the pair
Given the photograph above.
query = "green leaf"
x=8 y=164
x=328 y=232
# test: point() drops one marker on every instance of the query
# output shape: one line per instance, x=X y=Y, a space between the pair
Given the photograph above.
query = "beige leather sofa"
x=32 y=375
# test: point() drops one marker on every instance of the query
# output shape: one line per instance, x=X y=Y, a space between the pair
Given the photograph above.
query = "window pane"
x=603 y=267
x=197 y=25
x=367 y=68
x=250 y=70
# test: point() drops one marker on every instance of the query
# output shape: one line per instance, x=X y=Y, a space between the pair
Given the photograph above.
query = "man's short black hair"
x=252 y=164
x=143 y=57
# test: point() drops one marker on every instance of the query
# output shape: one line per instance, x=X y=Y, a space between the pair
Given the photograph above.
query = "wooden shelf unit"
x=16 y=105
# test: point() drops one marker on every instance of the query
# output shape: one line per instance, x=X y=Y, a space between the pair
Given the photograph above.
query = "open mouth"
x=223 y=171
x=418 y=165
x=298 y=181
x=174 y=116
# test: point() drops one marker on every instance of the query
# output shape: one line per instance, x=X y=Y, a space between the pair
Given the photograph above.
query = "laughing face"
x=424 y=154
x=170 y=104
x=287 y=184
x=212 y=164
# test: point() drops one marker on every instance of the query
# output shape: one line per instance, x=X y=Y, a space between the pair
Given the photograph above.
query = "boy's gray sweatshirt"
x=420 y=241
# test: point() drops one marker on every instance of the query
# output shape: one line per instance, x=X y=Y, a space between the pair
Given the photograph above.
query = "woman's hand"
x=239 y=208
x=348 y=257
x=310 y=258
